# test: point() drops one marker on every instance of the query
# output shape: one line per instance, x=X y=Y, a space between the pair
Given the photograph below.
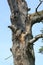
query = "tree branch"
x=8 y=57
x=35 y=39
x=36 y=17
x=38 y=5
x=13 y=28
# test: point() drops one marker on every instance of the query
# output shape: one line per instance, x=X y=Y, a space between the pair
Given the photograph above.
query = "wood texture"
x=21 y=26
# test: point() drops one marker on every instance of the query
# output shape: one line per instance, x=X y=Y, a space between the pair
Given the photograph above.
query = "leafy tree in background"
x=41 y=50
x=21 y=26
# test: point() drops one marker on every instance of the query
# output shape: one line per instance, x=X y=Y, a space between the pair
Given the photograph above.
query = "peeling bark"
x=21 y=26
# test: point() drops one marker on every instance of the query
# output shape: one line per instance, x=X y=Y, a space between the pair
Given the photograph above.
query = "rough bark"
x=21 y=26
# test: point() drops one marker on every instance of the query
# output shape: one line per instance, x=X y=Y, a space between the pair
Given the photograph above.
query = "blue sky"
x=5 y=33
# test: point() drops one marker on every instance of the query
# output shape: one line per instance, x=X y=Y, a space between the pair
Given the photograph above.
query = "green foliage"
x=41 y=50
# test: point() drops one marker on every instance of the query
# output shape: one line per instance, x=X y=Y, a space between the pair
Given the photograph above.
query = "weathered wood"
x=36 y=17
x=21 y=26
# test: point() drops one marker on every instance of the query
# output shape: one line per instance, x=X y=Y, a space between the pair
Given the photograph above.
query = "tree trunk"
x=23 y=54
x=22 y=38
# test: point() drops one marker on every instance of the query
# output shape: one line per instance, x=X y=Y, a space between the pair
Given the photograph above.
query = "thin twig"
x=8 y=57
x=38 y=5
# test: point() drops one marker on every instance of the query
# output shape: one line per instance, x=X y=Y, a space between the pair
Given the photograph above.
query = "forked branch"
x=35 y=39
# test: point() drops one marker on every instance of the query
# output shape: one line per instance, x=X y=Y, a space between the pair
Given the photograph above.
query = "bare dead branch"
x=35 y=39
x=8 y=57
x=35 y=18
x=12 y=27
x=38 y=6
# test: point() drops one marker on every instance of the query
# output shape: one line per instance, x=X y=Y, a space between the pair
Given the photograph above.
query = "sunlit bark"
x=21 y=26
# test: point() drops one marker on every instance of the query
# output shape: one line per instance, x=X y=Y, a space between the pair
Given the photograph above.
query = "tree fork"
x=22 y=48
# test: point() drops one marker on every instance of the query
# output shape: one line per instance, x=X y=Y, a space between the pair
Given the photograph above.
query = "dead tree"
x=21 y=26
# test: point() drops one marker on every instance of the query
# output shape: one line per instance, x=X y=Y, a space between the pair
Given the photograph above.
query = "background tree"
x=21 y=26
x=41 y=50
